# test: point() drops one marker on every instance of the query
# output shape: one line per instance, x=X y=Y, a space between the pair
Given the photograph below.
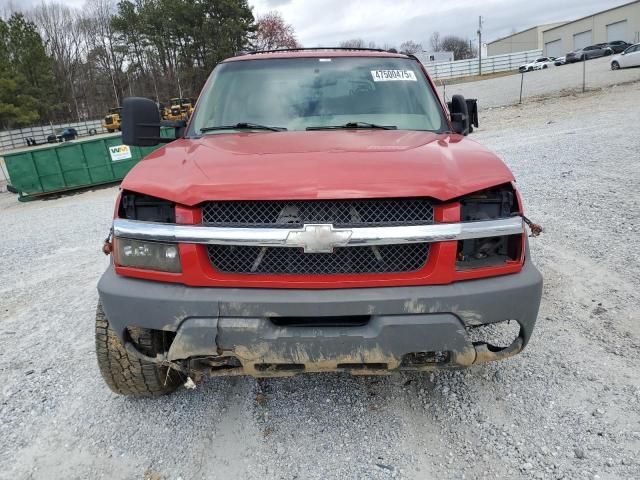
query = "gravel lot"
x=567 y=407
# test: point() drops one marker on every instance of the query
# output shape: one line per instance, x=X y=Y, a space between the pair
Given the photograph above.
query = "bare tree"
x=434 y=41
x=273 y=32
x=410 y=47
x=460 y=47
x=353 y=43
x=61 y=28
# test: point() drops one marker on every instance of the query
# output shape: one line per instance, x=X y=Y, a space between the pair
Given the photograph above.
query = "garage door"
x=581 y=40
x=554 y=49
x=617 y=31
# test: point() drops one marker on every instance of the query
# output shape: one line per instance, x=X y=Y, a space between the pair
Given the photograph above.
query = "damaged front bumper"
x=269 y=332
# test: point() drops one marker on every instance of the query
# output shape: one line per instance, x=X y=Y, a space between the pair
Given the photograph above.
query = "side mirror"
x=140 y=122
x=472 y=109
x=459 y=115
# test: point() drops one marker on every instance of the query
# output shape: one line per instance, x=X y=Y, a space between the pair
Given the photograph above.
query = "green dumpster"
x=72 y=165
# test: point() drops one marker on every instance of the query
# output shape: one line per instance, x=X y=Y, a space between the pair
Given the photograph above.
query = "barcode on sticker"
x=393 y=75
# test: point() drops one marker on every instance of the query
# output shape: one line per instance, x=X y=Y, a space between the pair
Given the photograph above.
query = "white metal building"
x=525 y=40
x=618 y=23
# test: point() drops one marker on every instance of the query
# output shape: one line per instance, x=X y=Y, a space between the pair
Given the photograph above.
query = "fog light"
x=164 y=257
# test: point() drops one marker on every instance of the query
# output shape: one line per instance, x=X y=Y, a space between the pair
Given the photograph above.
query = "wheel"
x=615 y=65
x=109 y=130
x=583 y=58
x=545 y=66
x=126 y=374
x=530 y=69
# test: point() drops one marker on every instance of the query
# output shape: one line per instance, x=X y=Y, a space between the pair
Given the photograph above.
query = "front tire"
x=126 y=374
x=615 y=66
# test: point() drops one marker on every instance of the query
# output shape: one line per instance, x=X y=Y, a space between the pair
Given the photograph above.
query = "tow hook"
x=107 y=246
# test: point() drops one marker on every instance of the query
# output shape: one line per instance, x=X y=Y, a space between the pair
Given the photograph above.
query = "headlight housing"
x=489 y=204
x=136 y=206
x=164 y=257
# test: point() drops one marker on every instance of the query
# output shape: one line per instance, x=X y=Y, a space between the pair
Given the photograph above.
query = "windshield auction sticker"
x=120 y=152
x=393 y=75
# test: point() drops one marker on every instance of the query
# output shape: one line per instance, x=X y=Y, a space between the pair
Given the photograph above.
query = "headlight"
x=164 y=257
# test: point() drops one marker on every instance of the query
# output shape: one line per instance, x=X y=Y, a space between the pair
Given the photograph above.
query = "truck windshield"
x=307 y=93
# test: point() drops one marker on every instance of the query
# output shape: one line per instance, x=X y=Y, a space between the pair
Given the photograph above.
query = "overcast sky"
x=327 y=22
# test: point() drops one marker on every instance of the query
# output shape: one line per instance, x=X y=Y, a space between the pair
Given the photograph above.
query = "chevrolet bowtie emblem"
x=319 y=238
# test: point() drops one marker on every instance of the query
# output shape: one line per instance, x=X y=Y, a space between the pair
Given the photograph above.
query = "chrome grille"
x=345 y=260
x=340 y=213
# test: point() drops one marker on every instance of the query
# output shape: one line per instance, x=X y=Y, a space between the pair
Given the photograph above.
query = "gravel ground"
x=542 y=83
x=567 y=407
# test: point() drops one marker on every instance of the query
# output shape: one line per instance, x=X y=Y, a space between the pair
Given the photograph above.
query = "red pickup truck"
x=322 y=210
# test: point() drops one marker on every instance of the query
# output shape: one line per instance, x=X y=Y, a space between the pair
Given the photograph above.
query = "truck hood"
x=317 y=165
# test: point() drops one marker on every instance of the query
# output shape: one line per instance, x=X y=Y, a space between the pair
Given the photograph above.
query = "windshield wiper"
x=243 y=126
x=353 y=125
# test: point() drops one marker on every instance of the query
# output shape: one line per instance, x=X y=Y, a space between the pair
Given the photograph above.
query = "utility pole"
x=480 y=45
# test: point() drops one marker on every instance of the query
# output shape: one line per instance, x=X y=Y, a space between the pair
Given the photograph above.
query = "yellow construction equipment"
x=180 y=109
x=111 y=121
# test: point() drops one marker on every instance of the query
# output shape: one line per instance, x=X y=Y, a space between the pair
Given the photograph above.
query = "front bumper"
x=403 y=322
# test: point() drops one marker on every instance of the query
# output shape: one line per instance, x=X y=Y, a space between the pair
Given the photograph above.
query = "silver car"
x=587 y=53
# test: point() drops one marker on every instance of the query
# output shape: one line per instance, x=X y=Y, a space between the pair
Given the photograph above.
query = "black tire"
x=109 y=130
x=126 y=374
x=615 y=65
x=530 y=69
x=545 y=66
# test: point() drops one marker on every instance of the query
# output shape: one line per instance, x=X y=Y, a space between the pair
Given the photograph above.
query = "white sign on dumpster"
x=120 y=152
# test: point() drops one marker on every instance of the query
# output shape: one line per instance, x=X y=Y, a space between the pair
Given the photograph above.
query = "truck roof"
x=316 y=52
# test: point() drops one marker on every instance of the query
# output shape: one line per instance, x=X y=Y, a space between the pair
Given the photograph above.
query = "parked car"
x=560 y=61
x=587 y=53
x=62 y=135
x=304 y=224
x=538 y=64
x=618 y=46
x=629 y=58
x=65 y=134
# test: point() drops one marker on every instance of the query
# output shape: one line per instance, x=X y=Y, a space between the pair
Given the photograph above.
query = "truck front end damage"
x=278 y=332
x=433 y=320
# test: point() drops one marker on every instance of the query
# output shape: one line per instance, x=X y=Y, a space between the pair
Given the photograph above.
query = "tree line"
x=461 y=48
x=60 y=64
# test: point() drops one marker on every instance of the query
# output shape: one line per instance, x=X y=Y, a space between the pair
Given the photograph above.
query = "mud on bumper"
x=267 y=332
